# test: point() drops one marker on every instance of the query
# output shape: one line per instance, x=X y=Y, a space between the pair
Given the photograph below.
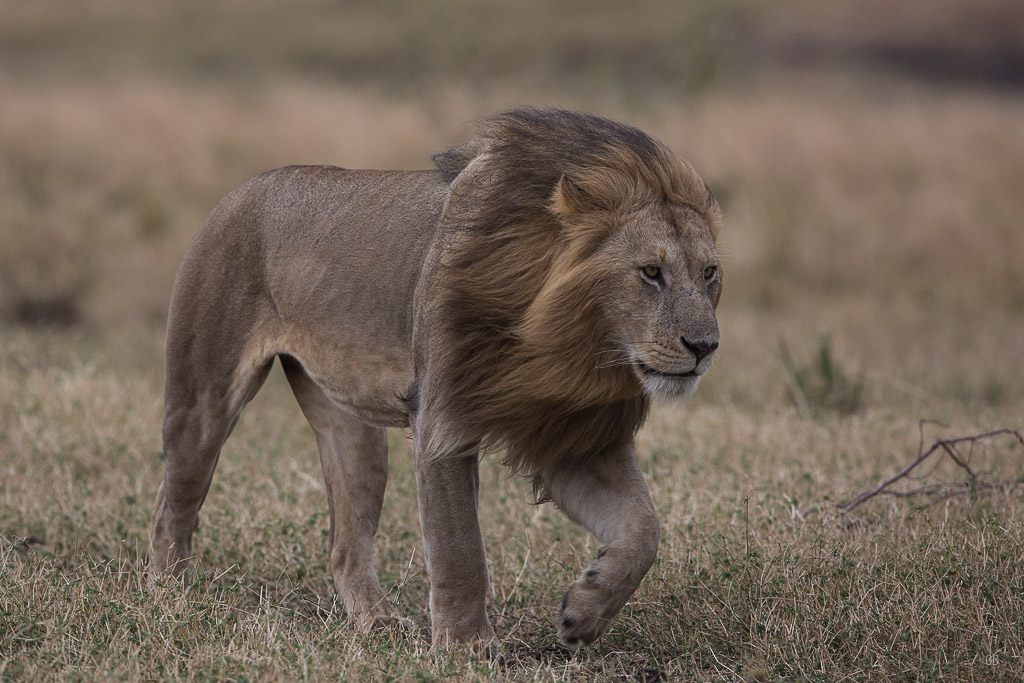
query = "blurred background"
x=869 y=156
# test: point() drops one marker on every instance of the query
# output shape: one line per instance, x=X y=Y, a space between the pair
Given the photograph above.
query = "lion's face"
x=665 y=279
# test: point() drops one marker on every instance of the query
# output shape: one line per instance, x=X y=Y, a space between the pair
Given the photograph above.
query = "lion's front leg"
x=608 y=497
x=447 y=490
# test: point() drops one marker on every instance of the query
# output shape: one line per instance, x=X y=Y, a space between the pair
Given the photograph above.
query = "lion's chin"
x=667 y=387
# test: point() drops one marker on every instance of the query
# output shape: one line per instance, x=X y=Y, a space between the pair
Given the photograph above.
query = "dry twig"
x=938 y=492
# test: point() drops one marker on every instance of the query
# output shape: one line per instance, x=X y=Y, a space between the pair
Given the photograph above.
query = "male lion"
x=529 y=295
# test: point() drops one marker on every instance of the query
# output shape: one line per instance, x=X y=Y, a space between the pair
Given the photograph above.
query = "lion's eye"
x=652 y=272
x=709 y=273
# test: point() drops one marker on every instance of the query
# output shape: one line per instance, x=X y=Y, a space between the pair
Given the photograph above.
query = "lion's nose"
x=700 y=348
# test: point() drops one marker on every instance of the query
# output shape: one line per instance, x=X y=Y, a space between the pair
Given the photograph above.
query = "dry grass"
x=741 y=585
x=870 y=220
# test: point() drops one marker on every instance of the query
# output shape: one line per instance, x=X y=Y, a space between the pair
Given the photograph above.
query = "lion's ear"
x=569 y=199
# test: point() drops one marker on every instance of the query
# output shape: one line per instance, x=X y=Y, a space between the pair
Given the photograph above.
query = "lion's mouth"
x=648 y=370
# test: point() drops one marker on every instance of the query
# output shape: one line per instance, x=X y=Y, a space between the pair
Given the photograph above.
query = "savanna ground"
x=870 y=160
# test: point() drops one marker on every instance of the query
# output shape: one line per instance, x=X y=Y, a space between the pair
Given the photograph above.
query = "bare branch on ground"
x=959 y=450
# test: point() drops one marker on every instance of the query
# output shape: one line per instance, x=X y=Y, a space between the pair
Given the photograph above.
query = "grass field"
x=874 y=278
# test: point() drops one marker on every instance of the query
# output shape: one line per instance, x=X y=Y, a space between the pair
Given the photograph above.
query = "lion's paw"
x=481 y=640
x=587 y=608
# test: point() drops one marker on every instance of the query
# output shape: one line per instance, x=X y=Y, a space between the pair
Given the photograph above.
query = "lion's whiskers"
x=617 y=362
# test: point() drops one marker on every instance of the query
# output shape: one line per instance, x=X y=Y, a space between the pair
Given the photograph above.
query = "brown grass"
x=872 y=217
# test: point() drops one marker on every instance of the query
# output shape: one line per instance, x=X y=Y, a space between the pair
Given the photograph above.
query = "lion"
x=529 y=295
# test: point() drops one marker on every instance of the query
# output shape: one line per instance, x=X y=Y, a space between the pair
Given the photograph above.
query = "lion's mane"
x=519 y=342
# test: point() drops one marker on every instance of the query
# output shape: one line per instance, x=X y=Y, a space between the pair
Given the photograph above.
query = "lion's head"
x=581 y=281
x=658 y=281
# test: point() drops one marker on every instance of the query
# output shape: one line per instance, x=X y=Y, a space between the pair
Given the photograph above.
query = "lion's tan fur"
x=496 y=302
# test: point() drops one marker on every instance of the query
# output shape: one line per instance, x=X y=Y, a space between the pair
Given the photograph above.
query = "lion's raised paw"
x=587 y=609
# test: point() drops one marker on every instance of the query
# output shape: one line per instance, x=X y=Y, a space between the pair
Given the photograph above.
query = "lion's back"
x=325 y=261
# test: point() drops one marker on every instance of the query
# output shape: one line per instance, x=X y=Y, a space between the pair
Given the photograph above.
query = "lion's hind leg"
x=203 y=399
x=354 y=458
